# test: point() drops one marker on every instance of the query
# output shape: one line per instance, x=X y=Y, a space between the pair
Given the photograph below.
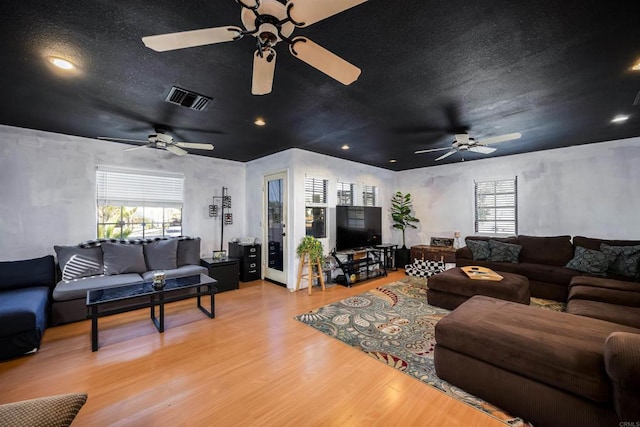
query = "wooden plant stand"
x=305 y=259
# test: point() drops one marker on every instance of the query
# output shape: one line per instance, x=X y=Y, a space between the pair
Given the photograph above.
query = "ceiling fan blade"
x=431 y=150
x=501 y=138
x=184 y=39
x=138 y=147
x=482 y=149
x=194 y=145
x=445 y=155
x=264 y=67
x=106 y=138
x=176 y=150
x=324 y=60
x=306 y=12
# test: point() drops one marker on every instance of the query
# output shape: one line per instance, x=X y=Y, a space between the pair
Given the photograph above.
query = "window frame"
x=508 y=204
x=341 y=192
x=372 y=192
x=316 y=194
x=138 y=199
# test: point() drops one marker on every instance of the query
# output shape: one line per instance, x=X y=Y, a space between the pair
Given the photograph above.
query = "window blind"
x=315 y=191
x=133 y=188
x=496 y=209
x=345 y=193
x=369 y=195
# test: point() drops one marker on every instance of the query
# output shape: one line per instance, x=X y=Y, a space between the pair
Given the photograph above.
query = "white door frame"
x=271 y=273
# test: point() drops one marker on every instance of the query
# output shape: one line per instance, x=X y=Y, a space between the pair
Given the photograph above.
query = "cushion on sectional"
x=65 y=291
x=24 y=310
x=161 y=254
x=184 y=271
x=590 y=261
x=546 y=273
x=480 y=249
x=503 y=252
x=625 y=259
x=611 y=296
x=590 y=243
x=607 y=283
x=27 y=273
x=552 y=250
x=76 y=262
x=189 y=252
x=614 y=313
x=123 y=258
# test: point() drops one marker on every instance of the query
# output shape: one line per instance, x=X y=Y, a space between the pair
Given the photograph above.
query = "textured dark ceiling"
x=556 y=71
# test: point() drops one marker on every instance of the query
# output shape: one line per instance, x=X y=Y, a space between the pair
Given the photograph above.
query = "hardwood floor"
x=251 y=365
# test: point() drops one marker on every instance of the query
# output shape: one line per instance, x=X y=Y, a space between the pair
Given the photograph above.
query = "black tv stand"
x=358 y=265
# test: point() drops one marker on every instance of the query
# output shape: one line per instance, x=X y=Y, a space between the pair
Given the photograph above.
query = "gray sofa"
x=107 y=263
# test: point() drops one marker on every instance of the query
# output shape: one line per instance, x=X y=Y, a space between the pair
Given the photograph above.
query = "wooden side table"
x=433 y=253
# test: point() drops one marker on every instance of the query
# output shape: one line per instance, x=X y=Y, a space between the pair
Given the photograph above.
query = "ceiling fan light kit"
x=271 y=22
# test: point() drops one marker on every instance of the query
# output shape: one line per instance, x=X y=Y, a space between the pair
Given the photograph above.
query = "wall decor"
x=441 y=241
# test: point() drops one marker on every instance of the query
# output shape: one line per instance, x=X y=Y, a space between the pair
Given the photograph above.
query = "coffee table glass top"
x=99 y=296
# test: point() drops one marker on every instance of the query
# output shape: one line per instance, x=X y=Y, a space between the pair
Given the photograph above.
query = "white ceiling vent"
x=188 y=99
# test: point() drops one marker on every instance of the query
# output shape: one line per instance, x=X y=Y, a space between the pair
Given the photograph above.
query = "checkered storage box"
x=424 y=268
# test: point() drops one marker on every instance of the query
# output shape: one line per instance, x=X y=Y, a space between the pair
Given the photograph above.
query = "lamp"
x=456 y=234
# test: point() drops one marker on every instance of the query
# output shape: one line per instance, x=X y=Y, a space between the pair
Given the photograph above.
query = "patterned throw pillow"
x=590 y=261
x=503 y=252
x=76 y=262
x=59 y=410
x=479 y=249
x=625 y=260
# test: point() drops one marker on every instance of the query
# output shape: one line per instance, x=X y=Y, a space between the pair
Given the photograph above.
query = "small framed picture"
x=441 y=241
x=220 y=255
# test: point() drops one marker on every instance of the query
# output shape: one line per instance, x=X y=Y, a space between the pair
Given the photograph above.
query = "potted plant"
x=312 y=246
x=402 y=219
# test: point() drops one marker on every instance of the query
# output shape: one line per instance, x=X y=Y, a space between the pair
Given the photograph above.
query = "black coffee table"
x=120 y=299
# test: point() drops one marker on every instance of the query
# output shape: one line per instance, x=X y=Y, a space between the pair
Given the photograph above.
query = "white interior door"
x=275 y=219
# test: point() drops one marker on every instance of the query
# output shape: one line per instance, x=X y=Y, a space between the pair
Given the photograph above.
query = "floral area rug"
x=395 y=324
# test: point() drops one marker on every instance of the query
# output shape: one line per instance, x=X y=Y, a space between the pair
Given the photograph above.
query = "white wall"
x=590 y=190
x=48 y=196
x=300 y=164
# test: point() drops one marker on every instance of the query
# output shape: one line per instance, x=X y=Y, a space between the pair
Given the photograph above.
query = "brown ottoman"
x=453 y=287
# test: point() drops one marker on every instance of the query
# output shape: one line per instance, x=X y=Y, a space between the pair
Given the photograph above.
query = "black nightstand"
x=224 y=271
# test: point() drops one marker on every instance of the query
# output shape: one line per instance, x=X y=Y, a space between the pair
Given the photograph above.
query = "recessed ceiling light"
x=620 y=118
x=61 y=63
x=260 y=122
x=392 y=161
x=345 y=147
x=636 y=66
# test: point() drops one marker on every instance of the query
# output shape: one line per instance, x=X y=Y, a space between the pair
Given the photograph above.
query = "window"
x=369 y=194
x=497 y=207
x=345 y=194
x=315 y=197
x=134 y=204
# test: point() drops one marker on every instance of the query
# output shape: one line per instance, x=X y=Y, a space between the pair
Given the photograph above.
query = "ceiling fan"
x=162 y=141
x=270 y=22
x=463 y=142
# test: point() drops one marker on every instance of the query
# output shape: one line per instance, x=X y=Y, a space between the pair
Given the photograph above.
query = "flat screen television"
x=358 y=226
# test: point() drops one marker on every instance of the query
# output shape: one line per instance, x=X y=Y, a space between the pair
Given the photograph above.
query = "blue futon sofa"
x=25 y=289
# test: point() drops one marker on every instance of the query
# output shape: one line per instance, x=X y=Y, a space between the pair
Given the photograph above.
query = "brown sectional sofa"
x=542 y=260
x=550 y=368
x=578 y=368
